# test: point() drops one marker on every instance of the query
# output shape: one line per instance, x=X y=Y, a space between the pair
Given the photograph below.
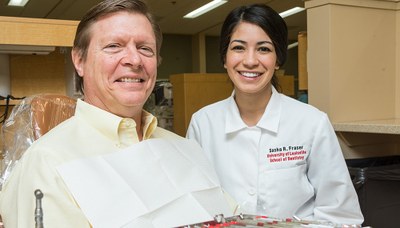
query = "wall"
x=213 y=62
x=176 y=53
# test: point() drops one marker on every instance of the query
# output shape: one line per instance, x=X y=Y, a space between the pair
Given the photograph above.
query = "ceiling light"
x=204 y=9
x=17 y=2
x=291 y=11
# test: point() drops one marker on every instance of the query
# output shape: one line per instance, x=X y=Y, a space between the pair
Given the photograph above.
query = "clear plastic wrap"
x=160 y=104
x=30 y=119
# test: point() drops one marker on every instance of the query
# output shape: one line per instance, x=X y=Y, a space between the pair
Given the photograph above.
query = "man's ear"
x=77 y=61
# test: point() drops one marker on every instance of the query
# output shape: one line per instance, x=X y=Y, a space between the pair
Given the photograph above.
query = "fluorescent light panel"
x=291 y=11
x=17 y=2
x=205 y=8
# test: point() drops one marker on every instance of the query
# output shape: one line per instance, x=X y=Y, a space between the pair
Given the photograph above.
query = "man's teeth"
x=130 y=80
x=250 y=74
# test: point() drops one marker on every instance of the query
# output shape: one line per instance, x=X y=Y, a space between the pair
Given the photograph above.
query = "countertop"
x=385 y=126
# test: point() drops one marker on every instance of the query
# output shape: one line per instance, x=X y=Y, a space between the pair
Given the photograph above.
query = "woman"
x=276 y=156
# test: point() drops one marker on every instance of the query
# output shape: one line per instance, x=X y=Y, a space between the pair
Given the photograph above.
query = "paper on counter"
x=160 y=182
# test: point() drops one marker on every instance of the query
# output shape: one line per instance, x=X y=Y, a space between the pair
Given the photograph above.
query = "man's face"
x=120 y=69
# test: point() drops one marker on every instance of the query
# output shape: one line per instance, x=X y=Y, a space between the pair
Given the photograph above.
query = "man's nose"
x=132 y=57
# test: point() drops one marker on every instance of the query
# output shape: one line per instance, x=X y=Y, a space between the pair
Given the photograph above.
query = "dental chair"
x=33 y=117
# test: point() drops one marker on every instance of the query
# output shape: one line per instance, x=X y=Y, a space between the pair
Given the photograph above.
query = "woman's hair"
x=106 y=7
x=264 y=17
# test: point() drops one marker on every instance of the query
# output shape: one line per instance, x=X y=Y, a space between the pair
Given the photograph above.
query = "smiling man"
x=115 y=54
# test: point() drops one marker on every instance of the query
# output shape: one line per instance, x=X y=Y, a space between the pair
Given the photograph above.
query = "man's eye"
x=146 y=51
x=112 y=47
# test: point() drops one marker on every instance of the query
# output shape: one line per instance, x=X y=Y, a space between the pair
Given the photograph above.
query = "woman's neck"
x=252 y=106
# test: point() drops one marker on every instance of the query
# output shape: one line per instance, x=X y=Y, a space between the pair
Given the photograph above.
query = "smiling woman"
x=264 y=144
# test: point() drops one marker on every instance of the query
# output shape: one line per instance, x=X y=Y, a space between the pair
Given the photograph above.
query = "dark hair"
x=106 y=7
x=264 y=17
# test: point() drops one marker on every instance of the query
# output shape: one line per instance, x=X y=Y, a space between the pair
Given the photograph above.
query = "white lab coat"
x=289 y=164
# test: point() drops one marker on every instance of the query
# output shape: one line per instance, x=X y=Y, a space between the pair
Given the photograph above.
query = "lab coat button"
x=252 y=192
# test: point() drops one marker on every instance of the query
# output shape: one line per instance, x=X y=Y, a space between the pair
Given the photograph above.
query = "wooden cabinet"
x=193 y=91
x=37 y=31
x=358 y=88
x=302 y=60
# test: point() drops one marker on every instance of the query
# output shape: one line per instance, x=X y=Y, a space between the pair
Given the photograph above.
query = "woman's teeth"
x=250 y=74
x=130 y=80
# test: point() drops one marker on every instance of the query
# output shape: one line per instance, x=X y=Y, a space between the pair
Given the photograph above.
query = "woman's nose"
x=250 y=59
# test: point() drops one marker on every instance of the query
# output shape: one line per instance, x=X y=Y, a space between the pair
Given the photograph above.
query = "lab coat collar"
x=269 y=121
x=233 y=121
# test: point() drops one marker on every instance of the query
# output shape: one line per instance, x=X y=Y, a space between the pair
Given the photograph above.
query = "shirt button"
x=252 y=192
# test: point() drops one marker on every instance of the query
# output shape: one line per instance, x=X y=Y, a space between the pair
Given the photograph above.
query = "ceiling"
x=169 y=13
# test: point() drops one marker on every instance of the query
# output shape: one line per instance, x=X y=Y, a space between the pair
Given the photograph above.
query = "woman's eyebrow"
x=265 y=42
x=239 y=41
x=258 y=43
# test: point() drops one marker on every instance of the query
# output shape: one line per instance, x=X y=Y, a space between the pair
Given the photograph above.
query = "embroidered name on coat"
x=286 y=153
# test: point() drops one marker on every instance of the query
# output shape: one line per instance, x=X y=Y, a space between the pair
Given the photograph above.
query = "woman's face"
x=250 y=59
x=121 y=65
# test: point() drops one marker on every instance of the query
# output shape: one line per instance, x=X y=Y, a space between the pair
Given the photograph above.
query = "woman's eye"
x=264 y=49
x=237 y=48
x=146 y=51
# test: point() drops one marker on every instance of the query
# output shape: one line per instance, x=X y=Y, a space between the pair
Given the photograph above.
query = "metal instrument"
x=38 y=209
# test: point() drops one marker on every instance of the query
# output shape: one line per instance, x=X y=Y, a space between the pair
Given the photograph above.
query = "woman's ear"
x=77 y=61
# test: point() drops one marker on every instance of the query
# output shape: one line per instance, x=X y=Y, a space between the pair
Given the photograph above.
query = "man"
x=116 y=53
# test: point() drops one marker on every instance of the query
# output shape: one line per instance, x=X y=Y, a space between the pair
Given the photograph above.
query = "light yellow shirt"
x=90 y=132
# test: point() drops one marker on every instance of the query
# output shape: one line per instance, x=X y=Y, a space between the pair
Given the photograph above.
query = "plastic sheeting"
x=30 y=119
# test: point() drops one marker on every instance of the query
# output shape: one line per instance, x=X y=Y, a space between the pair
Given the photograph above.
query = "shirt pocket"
x=283 y=191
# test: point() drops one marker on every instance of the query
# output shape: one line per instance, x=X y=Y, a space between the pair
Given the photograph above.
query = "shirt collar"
x=149 y=123
x=109 y=124
x=269 y=120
